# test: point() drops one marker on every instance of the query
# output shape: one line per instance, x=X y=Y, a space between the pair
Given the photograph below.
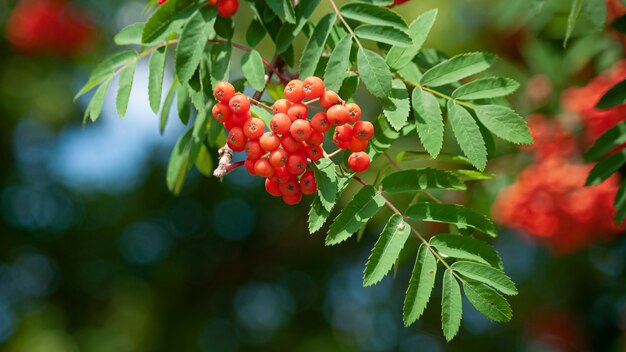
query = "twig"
x=332 y=2
x=226 y=156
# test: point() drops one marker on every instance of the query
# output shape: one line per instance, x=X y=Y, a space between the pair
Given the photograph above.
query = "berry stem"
x=256 y=102
x=233 y=166
x=311 y=101
x=439 y=94
x=332 y=3
x=333 y=153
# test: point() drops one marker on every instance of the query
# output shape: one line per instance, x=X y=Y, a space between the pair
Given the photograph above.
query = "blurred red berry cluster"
x=549 y=200
x=225 y=8
x=50 y=27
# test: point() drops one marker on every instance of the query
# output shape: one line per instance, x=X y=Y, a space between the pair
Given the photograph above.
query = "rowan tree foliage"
x=360 y=43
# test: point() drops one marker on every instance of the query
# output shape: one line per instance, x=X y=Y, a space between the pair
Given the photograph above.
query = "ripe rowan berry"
x=339 y=143
x=239 y=104
x=296 y=163
x=249 y=164
x=278 y=157
x=307 y=183
x=281 y=175
x=293 y=91
x=272 y=188
x=280 y=123
x=254 y=150
x=227 y=8
x=254 y=128
x=293 y=199
x=313 y=87
x=300 y=130
x=343 y=133
x=224 y=91
x=229 y=124
x=359 y=161
x=314 y=152
x=290 y=187
x=363 y=130
x=316 y=138
x=240 y=119
x=269 y=141
x=221 y=112
x=328 y=99
x=236 y=139
x=298 y=111
x=290 y=144
x=354 y=112
x=337 y=115
x=281 y=105
x=357 y=145
x=263 y=168
x=319 y=122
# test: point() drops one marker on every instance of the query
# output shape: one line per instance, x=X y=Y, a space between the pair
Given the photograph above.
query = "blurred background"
x=97 y=255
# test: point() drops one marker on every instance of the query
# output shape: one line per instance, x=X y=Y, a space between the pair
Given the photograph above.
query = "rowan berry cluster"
x=225 y=8
x=282 y=154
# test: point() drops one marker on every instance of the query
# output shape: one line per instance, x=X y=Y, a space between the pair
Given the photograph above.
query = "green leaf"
x=204 y=162
x=193 y=40
x=167 y=106
x=486 y=88
x=374 y=72
x=487 y=301
x=220 y=62
x=605 y=168
x=129 y=35
x=419 y=179
x=253 y=69
x=349 y=86
x=177 y=166
x=428 y=121
x=384 y=34
x=620 y=203
x=365 y=204
x=261 y=113
x=410 y=72
x=614 y=97
x=396 y=107
x=504 y=123
x=107 y=69
x=289 y=31
x=386 y=250
x=420 y=286
x=372 y=14
x=486 y=274
x=282 y=9
x=155 y=79
x=399 y=57
x=167 y=18
x=95 y=105
x=468 y=135
x=326 y=178
x=125 y=86
x=463 y=247
x=200 y=130
x=338 y=64
x=473 y=175
x=183 y=105
x=255 y=33
x=577 y=6
x=610 y=140
x=315 y=46
x=451 y=214
x=457 y=68
x=451 y=306
x=317 y=215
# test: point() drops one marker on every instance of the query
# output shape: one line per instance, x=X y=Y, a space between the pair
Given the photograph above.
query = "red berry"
x=272 y=188
x=290 y=187
x=280 y=123
x=221 y=112
x=328 y=99
x=307 y=183
x=254 y=150
x=357 y=145
x=343 y=133
x=263 y=168
x=320 y=123
x=281 y=175
x=236 y=140
x=339 y=143
x=338 y=115
x=314 y=152
x=224 y=91
x=290 y=144
x=296 y=163
x=269 y=141
x=240 y=119
x=229 y=124
x=354 y=112
x=278 y=157
x=249 y=164
x=359 y=161
x=227 y=8
x=254 y=128
x=293 y=199
x=300 y=130
x=239 y=104
x=363 y=130
x=313 y=87
x=316 y=138
x=298 y=111
x=294 y=92
x=281 y=105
